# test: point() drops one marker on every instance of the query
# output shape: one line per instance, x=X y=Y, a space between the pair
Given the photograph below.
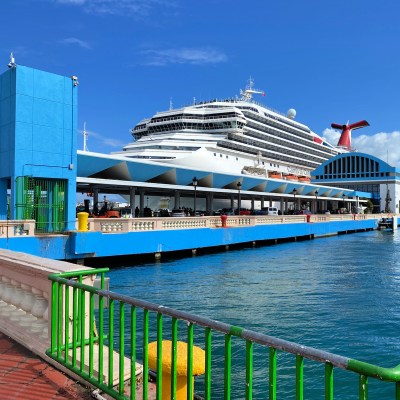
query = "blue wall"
x=38 y=131
x=96 y=244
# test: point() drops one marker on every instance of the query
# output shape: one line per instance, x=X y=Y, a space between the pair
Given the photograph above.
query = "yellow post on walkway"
x=83 y=221
x=181 y=367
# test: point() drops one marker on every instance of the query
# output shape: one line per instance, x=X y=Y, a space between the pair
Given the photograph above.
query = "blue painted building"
x=38 y=123
x=362 y=172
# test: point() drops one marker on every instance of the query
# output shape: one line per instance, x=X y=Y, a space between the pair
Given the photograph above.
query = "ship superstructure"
x=237 y=135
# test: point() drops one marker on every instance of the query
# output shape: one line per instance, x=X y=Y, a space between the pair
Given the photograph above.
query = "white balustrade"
x=15 y=228
x=24 y=297
x=24 y=305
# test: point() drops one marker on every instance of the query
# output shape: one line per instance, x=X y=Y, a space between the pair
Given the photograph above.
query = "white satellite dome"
x=291 y=113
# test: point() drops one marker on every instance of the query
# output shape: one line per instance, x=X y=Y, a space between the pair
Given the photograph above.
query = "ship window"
x=237 y=159
x=215 y=154
x=220 y=155
x=227 y=157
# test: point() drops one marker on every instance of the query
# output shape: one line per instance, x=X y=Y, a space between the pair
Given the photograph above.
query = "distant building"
x=363 y=173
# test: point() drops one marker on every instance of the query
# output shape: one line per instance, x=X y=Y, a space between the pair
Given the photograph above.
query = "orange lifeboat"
x=275 y=175
x=291 y=177
x=306 y=179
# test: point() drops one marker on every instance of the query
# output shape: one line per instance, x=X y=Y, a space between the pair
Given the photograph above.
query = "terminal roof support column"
x=132 y=192
x=232 y=202
x=281 y=204
x=177 y=199
x=252 y=203
x=286 y=205
x=209 y=203
x=262 y=202
x=141 y=206
x=95 y=196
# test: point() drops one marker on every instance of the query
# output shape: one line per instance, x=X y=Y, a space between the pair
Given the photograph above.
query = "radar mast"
x=247 y=94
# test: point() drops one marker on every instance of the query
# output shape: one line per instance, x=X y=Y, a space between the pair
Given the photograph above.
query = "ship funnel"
x=345 y=137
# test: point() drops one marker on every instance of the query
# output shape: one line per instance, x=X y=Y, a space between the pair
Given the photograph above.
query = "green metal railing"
x=79 y=345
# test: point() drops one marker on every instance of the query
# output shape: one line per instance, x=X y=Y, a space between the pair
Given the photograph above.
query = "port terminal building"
x=42 y=169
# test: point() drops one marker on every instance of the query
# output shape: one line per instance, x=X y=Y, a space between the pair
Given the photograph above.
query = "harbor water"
x=339 y=294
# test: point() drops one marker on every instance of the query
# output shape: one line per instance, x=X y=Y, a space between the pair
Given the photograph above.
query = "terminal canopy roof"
x=95 y=169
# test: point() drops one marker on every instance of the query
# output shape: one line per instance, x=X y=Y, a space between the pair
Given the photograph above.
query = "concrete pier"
x=108 y=237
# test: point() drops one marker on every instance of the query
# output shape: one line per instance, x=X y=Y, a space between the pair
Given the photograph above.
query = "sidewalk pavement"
x=24 y=375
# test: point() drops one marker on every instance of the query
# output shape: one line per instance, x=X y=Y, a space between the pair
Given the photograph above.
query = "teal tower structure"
x=38 y=148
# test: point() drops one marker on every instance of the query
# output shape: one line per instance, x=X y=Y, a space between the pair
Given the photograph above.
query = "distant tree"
x=370 y=207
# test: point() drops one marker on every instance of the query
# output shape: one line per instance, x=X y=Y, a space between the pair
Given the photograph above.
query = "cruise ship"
x=237 y=135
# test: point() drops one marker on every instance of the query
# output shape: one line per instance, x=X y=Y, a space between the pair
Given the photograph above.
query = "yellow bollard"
x=83 y=221
x=181 y=366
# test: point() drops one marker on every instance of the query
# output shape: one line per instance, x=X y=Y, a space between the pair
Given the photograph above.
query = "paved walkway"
x=23 y=375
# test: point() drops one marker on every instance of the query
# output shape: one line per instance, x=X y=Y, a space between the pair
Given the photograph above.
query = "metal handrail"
x=61 y=344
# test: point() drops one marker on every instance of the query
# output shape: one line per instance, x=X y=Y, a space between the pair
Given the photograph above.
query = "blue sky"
x=332 y=61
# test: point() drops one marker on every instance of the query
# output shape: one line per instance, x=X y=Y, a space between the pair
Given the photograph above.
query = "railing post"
x=207 y=376
x=189 y=372
x=133 y=353
x=111 y=344
x=159 y=357
x=121 y=346
x=101 y=335
x=54 y=308
x=227 y=369
x=363 y=387
x=74 y=325
x=249 y=370
x=397 y=390
x=91 y=333
x=66 y=324
x=59 y=320
x=82 y=326
x=328 y=381
x=145 y=353
x=174 y=357
x=299 y=377
x=272 y=373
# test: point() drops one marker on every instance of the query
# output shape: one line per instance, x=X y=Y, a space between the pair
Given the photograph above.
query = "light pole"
x=194 y=182
x=239 y=186
x=294 y=192
x=316 y=201
x=387 y=200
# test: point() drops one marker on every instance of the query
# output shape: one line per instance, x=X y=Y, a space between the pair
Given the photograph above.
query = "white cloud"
x=74 y=2
x=73 y=41
x=117 y=7
x=183 y=56
x=331 y=135
x=384 y=145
